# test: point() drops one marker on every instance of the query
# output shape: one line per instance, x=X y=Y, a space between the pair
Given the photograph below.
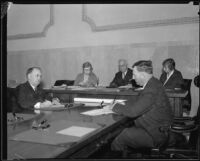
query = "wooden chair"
x=186 y=85
x=176 y=145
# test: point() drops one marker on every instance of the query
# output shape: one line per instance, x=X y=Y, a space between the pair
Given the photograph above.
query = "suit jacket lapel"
x=125 y=77
x=30 y=88
x=170 y=78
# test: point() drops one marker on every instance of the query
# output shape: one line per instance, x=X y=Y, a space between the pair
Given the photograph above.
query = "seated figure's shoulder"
x=118 y=73
x=79 y=75
x=22 y=86
x=93 y=75
x=154 y=84
x=178 y=72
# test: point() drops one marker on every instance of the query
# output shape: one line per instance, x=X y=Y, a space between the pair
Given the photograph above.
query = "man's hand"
x=109 y=107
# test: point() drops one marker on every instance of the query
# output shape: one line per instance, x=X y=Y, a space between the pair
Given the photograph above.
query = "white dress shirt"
x=37 y=105
x=124 y=74
x=168 y=76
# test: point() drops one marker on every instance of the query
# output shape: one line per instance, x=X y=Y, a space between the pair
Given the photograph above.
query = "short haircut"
x=170 y=63
x=87 y=64
x=29 y=70
x=144 y=66
x=123 y=60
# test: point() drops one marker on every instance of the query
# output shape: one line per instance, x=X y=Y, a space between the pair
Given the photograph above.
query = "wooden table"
x=68 y=95
x=109 y=125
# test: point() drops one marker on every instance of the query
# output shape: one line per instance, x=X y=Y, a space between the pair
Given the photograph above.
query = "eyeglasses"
x=86 y=69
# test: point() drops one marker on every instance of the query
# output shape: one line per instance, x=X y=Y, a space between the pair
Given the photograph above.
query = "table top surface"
x=58 y=120
x=113 y=91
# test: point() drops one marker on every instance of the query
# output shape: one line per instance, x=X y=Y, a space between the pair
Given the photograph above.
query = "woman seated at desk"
x=171 y=78
x=87 y=78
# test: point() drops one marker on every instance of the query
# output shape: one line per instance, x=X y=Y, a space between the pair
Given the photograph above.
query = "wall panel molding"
x=36 y=34
x=135 y=25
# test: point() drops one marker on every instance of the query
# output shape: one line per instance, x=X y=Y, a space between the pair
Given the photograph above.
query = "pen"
x=102 y=104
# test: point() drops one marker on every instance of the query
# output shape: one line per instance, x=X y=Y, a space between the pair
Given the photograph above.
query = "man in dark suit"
x=151 y=111
x=171 y=78
x=30 y=94
x=124 y=76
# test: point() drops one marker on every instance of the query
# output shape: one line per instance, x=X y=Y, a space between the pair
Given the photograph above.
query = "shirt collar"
x=170 y=74
x=33 y=87
x=125 y=72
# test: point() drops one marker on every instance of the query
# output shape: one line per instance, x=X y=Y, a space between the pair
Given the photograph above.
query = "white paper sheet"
x=97 y=112
x=80 y=88
x=92 y=104
x=96 y=100
x=126 y=86
x=76 y=131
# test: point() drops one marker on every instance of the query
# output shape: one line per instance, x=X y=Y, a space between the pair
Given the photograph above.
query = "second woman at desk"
x=87 y=78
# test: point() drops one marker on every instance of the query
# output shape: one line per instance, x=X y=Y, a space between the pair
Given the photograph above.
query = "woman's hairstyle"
x=87 y=64
x=170 y=63
x=144 y=66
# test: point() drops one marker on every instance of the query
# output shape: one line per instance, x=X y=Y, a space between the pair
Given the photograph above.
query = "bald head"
x=123 y=65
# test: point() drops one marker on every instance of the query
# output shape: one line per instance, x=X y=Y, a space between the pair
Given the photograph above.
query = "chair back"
x=197 y=81
x=66 y=82
x=12 y=103
x=186 y=85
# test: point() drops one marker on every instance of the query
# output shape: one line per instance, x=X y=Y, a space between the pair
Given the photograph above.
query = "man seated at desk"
x=171 y=78
x=87 y=78
x=30 y=94
x=124 y=76
x=151 y=111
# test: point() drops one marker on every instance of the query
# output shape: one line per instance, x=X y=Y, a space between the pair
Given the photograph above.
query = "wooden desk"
x=67 y=95
x=109 y=126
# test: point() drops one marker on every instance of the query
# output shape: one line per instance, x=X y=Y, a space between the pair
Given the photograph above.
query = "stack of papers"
x=59 y=87
x=125 y=87
x=97 y=100
x=80 y=88
x=139 y=89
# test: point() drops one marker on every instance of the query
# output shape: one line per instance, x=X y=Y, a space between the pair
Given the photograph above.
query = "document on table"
x=96 y=100
x=60 y=132
x=76 y=131
x=96 y=112
x=54 y=107
x=125 y=87
x=80 y=88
